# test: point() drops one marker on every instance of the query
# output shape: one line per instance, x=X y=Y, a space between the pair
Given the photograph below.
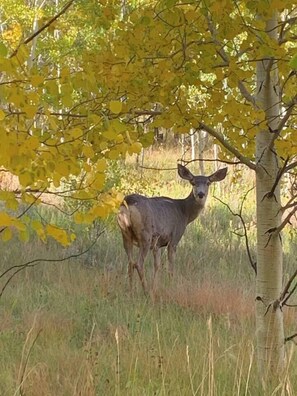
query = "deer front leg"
x=171 y=249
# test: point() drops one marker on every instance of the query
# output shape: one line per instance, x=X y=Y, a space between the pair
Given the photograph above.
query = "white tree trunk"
x=269 y=318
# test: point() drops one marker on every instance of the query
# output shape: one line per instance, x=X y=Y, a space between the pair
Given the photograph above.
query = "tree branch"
x=245 y=93
x=228 y=146
x=253 y=263
x=20 y=267
x=292 y=165
x=277 y=230
x=282 y=122
x=50 y=22
x=277 y=180
x=291 y=338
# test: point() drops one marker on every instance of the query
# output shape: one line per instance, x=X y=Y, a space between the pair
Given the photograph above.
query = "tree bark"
x=269 y=317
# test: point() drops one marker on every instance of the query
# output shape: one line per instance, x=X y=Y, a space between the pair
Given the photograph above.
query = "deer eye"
x=208 y=183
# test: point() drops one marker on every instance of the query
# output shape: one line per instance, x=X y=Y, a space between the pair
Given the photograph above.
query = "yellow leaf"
x=24 y=235
x=110 y=134
x=37 y=80
x=113 y=154
x=32 y=143
x=5 y=219
x=100 y=211
x=58 y=234
x=135 y=148
x=76 y=133
x=29 y=198
x=2 y=115
x=88 y=151
x=25 y=178
x=62 y=168
x=12 y=203
x=6 y=234
x=115 y=106
x=101 y=165
x=30 y=110
x=99 y=181
x=18 y=224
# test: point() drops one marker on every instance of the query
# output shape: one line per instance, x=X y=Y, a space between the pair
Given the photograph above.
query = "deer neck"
x=191 y=208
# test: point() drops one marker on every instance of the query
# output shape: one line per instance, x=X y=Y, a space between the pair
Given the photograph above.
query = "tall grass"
x=74 y=328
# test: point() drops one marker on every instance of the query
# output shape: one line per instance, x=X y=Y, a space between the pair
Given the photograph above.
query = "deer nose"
x=201 y=195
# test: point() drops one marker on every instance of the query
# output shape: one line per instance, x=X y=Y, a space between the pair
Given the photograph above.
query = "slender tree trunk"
x=269 y=317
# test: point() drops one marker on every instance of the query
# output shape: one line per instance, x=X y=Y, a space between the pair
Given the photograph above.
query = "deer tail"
x=124 y=216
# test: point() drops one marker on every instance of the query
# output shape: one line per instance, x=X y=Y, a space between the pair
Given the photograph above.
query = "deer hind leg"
x=144 y=247
x=157 y=262
x=171 y=249
x=128 y=246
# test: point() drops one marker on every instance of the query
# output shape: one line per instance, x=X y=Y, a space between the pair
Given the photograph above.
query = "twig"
x=33 y=263
x=286 y=294
x=282 y=122
x=245 y=234
x=277 y=230
x=291 y=338
x=277 y=180
x=291 y=166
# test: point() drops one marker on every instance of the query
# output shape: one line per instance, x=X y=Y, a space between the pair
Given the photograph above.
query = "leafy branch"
x=220 y=137
x=45 y=26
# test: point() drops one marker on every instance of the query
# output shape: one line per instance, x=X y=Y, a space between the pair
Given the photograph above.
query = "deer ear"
x=184 y=172
x=218 y=175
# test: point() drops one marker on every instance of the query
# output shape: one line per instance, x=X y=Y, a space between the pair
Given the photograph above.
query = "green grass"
x=74 y=328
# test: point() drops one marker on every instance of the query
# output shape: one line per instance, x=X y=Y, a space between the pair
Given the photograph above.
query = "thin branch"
x=277 y=180
x=291 y=338
x=287 y=287
x=291 y=203
x=277 y=230
x=210 y=160
x=282 y=122
x=228 y=146
x=50 y=22
x=245 y=234
x=20 y=267
x=291 y=166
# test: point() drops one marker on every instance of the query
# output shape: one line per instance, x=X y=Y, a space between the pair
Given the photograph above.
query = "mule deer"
x=153 y=223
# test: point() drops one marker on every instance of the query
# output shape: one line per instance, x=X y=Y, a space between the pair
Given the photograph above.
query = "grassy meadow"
x=74 y=328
